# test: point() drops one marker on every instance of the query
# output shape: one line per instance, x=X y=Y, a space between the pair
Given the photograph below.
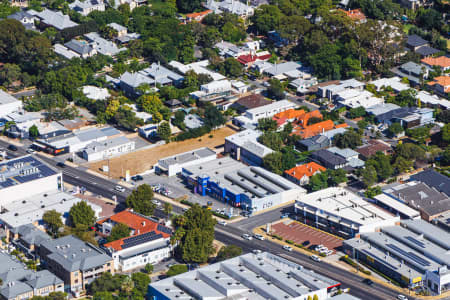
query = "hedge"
x=289 y=242
x=276 y=236
x=226 y=217
x=185 y=202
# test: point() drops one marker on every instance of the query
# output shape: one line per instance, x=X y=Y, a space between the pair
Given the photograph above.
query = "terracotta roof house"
x=149 y=241
x=301 y=174
x=442 y=62
x=372 y=147
x=356 y=15
x=198 y=16
x=441 y=85
x=249 y=59
x=298 y=117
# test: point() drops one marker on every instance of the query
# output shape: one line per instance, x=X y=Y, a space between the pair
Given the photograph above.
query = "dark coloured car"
x=137 y=178
x=368 y=281
x=61 y=165
x=12 y=148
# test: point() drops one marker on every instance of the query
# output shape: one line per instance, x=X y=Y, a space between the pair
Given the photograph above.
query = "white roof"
x=341 y=202
x=394 y=82
x=6 y=98
x=216 y=86
x=398 y=206
x=426 y=97
x=64 y=51
x=277 y=105
x=248 y=139
x=95 y=93
x=198 y=67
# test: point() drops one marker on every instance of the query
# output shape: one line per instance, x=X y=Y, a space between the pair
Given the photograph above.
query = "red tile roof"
x=249 y=58
x=308 y=169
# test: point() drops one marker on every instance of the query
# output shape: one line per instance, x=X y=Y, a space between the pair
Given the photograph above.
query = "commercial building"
x=252 y=116
x=244 y=146
x=8 y=104
x=430 y=202
x=26 y=175
x=148 y=243
x=416 y=253
x=396 y=207
x=407 y=116
x=30 y=209
x=341 y=212
x=76 y=262
x=76 y=140
x=252 y=188
x=109 y=148
x=19 y=282
x=173 y=165
x=434 y=180
x=249 y=276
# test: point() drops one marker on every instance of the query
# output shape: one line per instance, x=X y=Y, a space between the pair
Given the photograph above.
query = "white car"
x=30 y=151
x=315 y=258
x=156 y=202
x=257 y=251
x=287 y=248
x=329 y=252
x=401 y=297
x=119 y=188
x=247 y=237
x=259 y=237
x=223 y=223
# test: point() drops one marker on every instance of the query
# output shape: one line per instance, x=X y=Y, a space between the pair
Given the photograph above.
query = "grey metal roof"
x=434 y=179
x=412 y=67
x=427 y=51
x=249 y=276
x=20 y=15
x=55 y=19
x=188 y=156
x=31 y=235
x=282 y=68
x=429 y=231
x=6 y=98
x=42 y=279
x=73 y=254
x=416 y=41
x=134 y=80
x=95 y=146
x=380 y=109
x=161 y=74
x=80 y=47
x=329 y=157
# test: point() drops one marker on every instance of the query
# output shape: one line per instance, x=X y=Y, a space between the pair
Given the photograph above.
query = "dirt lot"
x=300 y=233
x=140 y=161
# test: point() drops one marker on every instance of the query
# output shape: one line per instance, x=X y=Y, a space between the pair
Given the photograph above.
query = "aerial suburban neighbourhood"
x=224 y=149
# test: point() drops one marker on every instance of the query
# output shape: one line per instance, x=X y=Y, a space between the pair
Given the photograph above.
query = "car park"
x=287 y=248
x=315 y=258
x=223 y=223
x=247 y=237
x=119 y=188
x=259 y=237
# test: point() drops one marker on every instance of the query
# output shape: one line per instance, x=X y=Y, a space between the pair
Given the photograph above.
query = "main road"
x=229 y=234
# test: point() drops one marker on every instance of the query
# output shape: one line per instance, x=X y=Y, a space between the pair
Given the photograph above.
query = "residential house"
x=288 y=70
x=372 y=147
x=414 y=42
x=252 y=116
x=415 y=4
x=95 y=93
x=148 y=131
x=49 y=18
x=19 y=282
x=162 y=75
x=356 y=15
x=103 y=46
x=19 y=3
x=329 y=90
x=27 y=238
x=234 y=7
x=83 y=49
x=193 y=121
x=148 y=243
x=427 y=51
x=442 y=62
x=261 y=66
x=303 y=86
x=351 y=156
x=395 y=83
x=9 y=104
x=433 y=101
x=329 y=159
x=130 y=83
x=121 y=30
x=173 y=104
x=294 y=115
x=64 y=51
x=200 y=67
x=276 y=39
x=76 y=262
x=440 y=85
x=27 y=20
x=380 y=109
x=123 y=36
x=314 y=143
x=87 y=6
x=213 y=91
x=415 y=73
x=249 y=102
x=353 y=98
x=198 y=16
x=301 y=174
x=249 y=59
x=407 y=116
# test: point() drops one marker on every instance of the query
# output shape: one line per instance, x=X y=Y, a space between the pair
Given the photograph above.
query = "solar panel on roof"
x=410 y=255
x=164 y=229
x=417 y=242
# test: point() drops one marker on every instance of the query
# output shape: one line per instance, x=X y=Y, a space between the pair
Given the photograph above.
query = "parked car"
x=137 y=178
x=286 y=215
x=315 y=258
x=287 y=248
x=257 y=251
x=61 y=165
x=329 y=252
x=367 y=281
x=12 y=148
x=156 y=202
x=30 y=151
x=259 y=237
x=218 y=210
x=223 y=223
x=402 y=297
x=119 y=188
x=247 y=237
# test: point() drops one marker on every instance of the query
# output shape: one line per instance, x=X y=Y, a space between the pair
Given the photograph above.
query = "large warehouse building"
x=251 y=188
x=174 y=164
x=26 y=175
x=249 y=276
x=341 y=212
x=416 y=253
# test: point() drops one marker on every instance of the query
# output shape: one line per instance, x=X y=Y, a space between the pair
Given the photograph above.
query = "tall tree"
x=140 y=200
x=119 y=231
x=82 y=214
x=164 y=131
x=228 y=252
x=53 y=220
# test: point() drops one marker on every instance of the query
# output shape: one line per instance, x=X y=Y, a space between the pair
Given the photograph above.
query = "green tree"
x=53 y=220
x=176 y=270
x=82 y=213
x=164 y=131
x=276 y=89
x=420 y=134
x=318 y=181
x=395 y=129
x=372 y=192
x=140 y=200
x=52 y=296
x=369 y=176
x=349 y=139
x=119 y=231
x=267 y=124
x=356 y=112
x=272 y=140
x=148 y=268
x=188 y=6
x=197 y=235
x=410 y=151
x=141 y=282
x=167 y=208
x=445 y=132
x=33 y=131
x=227 y=252
x=402 y=165
x=103 y=296
x=213 y=117
x=273 y=162
x=336 y=177
x=232 y=67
